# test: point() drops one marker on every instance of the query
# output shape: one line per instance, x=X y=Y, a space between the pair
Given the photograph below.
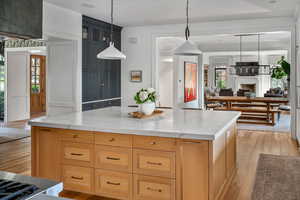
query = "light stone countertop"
x=186 y=124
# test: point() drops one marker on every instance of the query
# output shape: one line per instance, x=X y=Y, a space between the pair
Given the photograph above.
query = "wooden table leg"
x=273 y=119
x=228 y=105
x=268 y=112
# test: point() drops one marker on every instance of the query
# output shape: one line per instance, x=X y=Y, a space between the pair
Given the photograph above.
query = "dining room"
x=249 y=73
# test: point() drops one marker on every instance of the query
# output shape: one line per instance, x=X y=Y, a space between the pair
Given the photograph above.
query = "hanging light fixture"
x=188 y=48
x=253 y=68
x=111 y=52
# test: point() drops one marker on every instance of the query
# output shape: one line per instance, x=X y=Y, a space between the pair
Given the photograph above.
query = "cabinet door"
x=101 y=79
x=219 y=164
x=45 y=160
x=192 y=170
x=231 y=150
x=84 y=52
x=115 y=79
x=107 y=79
x=91 y=75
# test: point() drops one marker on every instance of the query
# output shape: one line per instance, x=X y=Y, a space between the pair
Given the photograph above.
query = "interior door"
x=38 y=84
x=17 y=87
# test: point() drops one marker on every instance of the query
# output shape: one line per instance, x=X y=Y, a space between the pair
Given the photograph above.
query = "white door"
x=17 y=87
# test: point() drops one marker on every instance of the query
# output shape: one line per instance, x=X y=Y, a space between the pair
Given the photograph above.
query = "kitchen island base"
x=125 y=167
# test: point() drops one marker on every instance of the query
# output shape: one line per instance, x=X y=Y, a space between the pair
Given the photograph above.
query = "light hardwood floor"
x=15 y=157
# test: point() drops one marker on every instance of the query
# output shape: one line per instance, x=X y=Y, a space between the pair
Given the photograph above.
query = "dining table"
x=267 y=102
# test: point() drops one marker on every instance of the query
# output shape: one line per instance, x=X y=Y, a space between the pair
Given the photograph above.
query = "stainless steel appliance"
x=19 y=187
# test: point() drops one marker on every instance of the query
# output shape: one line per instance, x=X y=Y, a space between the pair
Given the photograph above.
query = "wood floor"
x=15 y=157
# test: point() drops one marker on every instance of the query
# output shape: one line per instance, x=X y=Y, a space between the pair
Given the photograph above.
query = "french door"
x=37 y=84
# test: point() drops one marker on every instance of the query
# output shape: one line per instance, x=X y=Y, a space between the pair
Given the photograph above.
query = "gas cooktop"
x=12 y=190
x=19 y=187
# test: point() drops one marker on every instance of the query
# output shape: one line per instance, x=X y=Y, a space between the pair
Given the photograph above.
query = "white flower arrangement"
x=145 y=95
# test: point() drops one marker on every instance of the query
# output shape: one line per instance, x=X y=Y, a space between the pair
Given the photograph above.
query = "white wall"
x=62 y=28
x=179 y=82
x=142 y=55
x=61 y=79
x=61 y=23
x=166 y=89
x=297 y=77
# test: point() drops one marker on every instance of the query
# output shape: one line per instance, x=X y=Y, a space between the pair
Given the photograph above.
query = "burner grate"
x=11 y=190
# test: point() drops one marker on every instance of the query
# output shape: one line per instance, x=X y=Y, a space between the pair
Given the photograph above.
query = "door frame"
x=231 y=28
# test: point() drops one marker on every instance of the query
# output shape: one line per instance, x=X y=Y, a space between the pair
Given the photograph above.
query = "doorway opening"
x=219 y=54
x=25 y=80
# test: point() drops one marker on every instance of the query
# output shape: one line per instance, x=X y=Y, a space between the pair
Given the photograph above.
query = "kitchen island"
x=178 y=155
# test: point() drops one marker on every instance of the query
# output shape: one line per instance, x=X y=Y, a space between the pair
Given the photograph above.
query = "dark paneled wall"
x=101 y=79
x=21 y=18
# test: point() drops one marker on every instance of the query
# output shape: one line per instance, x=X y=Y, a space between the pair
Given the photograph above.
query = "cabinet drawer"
x=78 y=154
x=77 y=136
x=113 y=158
x=154 y=143
x=111 y=139
x=78 y=178
x=113 y=184
x=154 y=163
x=150 y=188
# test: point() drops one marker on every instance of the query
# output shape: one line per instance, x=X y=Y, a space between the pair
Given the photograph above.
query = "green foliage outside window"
x=221 y=84
x=282 y=70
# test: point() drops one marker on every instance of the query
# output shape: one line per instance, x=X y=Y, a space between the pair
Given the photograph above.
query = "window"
x=281 y=83
x=221 y=77
x=35 y=75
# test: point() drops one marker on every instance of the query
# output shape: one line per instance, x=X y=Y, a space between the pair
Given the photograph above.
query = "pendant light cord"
x=258 y=47
x=111 y=20
x=241 y=47
x=187 y=29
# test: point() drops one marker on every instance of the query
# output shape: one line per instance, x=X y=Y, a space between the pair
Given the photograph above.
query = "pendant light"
x=111 y=52
x=188 y=48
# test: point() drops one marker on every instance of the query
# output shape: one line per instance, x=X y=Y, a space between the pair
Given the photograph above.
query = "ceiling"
x=216 y=43
x=150 y=12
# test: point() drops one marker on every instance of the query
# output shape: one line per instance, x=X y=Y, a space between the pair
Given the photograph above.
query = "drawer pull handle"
x=153 y=163
x=75 y=136
x=111 y=183
x=77 y=178
x=153 y=143
x=111 y=158
x=112 y=139
x=76 y=154
x=154 y=190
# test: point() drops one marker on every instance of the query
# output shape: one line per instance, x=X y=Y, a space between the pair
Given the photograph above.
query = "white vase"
x=147 y=108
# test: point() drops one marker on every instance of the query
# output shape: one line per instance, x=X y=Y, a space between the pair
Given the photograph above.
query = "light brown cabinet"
x=78 y=178
x=154 y=163
x=150 y=188
x=77 y=154
x=131 y=167
x=113 y=184
x=113 y=158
